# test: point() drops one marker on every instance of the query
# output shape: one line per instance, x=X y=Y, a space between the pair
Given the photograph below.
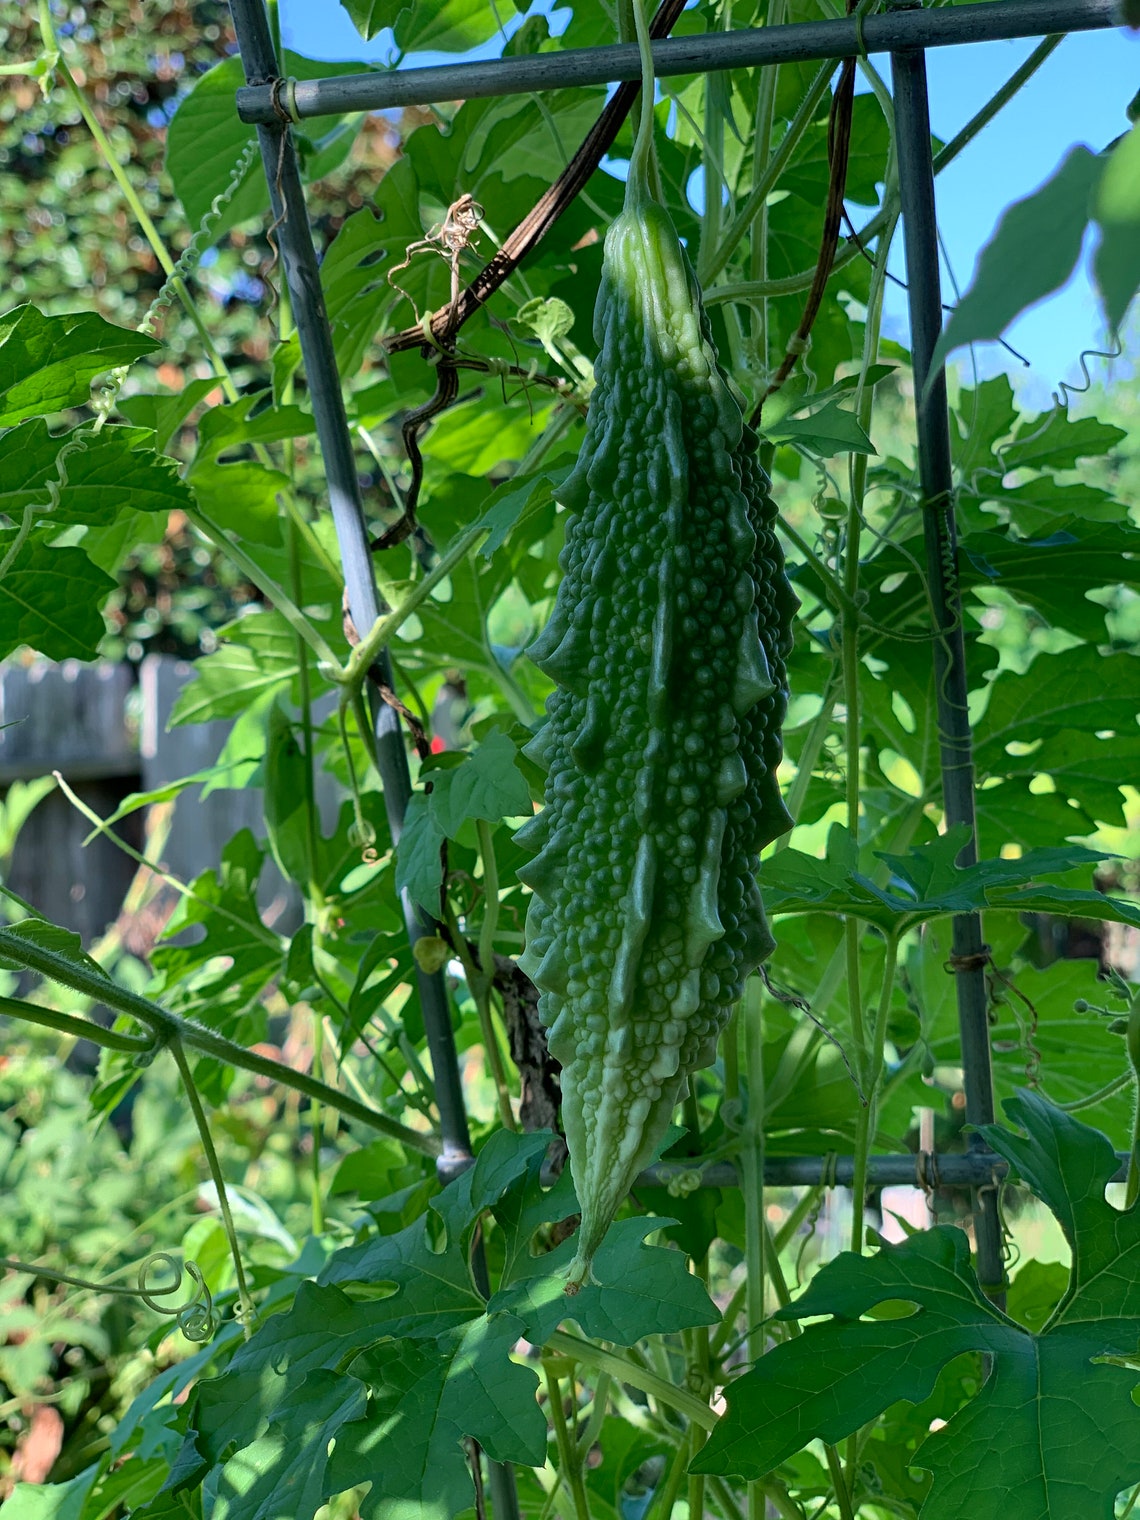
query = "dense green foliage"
x=380 y=1339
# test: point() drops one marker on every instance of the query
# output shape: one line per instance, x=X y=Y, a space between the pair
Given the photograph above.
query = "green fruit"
x=668 y=644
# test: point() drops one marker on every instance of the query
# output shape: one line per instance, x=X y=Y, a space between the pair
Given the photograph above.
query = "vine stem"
x=850 y=622
x=1132 y=1043
x=101 y=826
x=166 y=1026
x=364 y=654
x=666 y=1495
x=748 y=290
x=865 y=1119
x=490 y=898
x=1109 y=1090
x=78 y=1029
x=314 y=896
x=13 y=1264
x=765 y=182
x=866 y=1123
x=624 y=1370
x=752 y=1166
x=479 y=985
x=700 y=1366
x=761 y=152
x=282 y=601
x=142 y=216
x=569 y=1457
x=247 y=1310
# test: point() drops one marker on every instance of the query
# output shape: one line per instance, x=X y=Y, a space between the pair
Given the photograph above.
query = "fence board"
x=68 y=717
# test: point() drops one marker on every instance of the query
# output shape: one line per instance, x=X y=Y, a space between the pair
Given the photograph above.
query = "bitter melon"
x=668 y=642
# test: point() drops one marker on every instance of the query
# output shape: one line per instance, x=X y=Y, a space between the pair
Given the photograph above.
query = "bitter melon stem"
x=637 y=190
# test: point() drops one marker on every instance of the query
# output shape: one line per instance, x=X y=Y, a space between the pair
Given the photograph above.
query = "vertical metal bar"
x=298 y=256
x=916 y=195
x=299 y=259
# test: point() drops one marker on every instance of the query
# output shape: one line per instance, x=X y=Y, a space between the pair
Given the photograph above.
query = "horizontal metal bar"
x=948 y=1170
x=991 y=21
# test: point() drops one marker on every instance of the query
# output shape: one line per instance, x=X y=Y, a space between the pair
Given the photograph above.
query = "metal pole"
x=298 y=256
x=916 y=198
x=747 y=48
x=300 y=263
x=973 y=1168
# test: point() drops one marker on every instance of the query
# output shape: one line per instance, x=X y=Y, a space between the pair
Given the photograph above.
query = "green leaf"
x=231 y=426
x=203 y=144
x=241 y=497
x=50 y=1501
x=516 y=500
x=1012 y=813
x=1116 y=207
x=1034 y=1026
x=401 y=1314
x=445 y=26
x=48 y=363
x=48 y=936
x=1032 y=253
x=276 y=1475
x=242 y=494
x=165 y=413
x=926 y=883
x=1052 y=1424
x=1091 y=771
x=206 y=137
x=372 y=16
x=1035 y=1292
x=1077 y=689
x=982 y=418
x=1057 y=441
x=827 y=431
x=286 y=799
x=1036 y=507
x=638 y=1290
x=419 y=868
x=99 y=476
x=258 y=659
x=425 y=1397
x=488 y=785
x=548 y=317
x=521 y=135
x=1055 y=574
x=50 y=599
x=236 y=955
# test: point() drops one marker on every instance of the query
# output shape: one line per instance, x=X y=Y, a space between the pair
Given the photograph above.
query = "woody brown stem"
x=543 y=215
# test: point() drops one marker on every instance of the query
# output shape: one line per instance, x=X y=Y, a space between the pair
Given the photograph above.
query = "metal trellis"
x=905 y=33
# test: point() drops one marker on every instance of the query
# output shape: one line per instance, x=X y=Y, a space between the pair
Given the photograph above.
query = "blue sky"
x=1079 y=96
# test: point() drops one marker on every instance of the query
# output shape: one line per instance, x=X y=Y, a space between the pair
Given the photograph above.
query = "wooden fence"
x=103 y=727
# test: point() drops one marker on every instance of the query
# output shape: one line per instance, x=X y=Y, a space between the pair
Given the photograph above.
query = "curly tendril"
x=197 y=1318
x=188 y=262
x=1064 y=390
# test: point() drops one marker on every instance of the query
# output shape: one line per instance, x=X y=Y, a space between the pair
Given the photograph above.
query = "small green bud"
x=361 y=834
x=431 y=953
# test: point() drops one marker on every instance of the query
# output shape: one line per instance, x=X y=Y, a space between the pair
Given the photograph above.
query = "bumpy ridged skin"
x=668 y=641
